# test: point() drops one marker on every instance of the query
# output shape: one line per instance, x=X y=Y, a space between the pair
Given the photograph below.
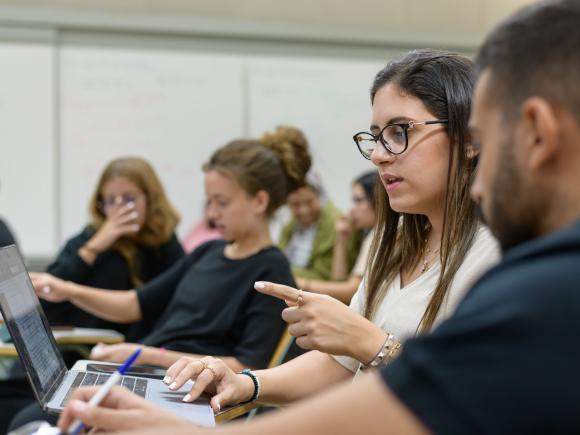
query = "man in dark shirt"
x=507 y=361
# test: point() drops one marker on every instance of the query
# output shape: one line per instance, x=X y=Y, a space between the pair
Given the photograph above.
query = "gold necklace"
x=425 y=265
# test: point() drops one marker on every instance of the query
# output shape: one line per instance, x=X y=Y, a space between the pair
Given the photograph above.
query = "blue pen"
x=77 y=425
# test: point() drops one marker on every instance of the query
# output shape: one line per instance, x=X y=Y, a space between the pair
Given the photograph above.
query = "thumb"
x=102 y=418
x=221 y=399
x=216 y=403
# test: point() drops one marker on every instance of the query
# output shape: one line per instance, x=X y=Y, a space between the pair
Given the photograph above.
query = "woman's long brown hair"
x=161 y=217
x=443 y=81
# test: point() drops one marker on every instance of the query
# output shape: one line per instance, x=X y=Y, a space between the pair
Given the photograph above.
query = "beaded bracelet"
x=387 y=351
x=256 y=382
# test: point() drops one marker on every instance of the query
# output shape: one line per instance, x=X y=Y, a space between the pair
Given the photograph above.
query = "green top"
x=320 y=263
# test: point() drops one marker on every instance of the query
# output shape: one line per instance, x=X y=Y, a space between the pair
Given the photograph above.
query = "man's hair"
x=535 y=52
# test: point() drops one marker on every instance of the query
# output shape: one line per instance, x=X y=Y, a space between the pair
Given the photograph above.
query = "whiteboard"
x=171 y=107
x=67 y=109
x=328 y=99
x=27 y=162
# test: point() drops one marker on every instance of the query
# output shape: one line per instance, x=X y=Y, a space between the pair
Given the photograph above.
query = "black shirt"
x=206 y=304
x=109 y=271
x=508 y=360
x=6 y=237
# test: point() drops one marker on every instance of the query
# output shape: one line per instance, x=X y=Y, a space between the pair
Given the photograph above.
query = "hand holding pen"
x=77 y=425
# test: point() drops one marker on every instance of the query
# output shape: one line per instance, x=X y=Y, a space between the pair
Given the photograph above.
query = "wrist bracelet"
x=387 y=352
x=256 y=382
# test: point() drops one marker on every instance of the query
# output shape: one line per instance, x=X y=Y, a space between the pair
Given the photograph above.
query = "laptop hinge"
x=50 y=393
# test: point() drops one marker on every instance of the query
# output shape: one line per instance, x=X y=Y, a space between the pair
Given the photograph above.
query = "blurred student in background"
x=129 y=241
x=308 y=239
x=361 y=219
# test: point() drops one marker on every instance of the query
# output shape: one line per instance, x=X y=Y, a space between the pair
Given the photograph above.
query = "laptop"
x=49 y=378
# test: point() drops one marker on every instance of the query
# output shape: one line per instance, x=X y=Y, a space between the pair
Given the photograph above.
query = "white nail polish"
x=186 y=398
x=219 y=407
x=173 y=386
x=259 y=285
x=46 y=289
x=166 y=379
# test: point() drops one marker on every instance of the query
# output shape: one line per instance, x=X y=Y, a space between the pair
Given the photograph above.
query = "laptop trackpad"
x=198 y=412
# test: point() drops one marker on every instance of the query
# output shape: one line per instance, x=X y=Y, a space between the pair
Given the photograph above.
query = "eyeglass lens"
x=393 y=138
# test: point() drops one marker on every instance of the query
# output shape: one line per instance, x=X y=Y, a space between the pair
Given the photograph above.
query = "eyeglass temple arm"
x=436 y=121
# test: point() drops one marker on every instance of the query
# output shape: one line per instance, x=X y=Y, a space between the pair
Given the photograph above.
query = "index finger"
x=279 y=291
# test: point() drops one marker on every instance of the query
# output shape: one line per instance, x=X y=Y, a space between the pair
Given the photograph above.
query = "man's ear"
x=538 y=132
x=262 y=200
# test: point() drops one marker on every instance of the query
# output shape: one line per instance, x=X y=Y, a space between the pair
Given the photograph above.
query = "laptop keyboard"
x=87 y=379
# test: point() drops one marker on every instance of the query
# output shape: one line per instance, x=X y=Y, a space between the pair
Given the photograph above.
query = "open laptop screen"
x=28 y=325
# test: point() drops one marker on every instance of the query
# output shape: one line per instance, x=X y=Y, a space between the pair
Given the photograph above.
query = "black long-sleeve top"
x=109 y=271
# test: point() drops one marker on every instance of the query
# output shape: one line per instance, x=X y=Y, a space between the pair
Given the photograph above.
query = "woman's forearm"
x=340 y=271
x=113 y=305
x=366 y=406
x=301 y=377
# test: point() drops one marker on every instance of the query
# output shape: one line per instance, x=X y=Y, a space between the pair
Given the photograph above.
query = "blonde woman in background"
x=129 y=241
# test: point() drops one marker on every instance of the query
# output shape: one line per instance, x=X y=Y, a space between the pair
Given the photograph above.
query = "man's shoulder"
x=537 y=273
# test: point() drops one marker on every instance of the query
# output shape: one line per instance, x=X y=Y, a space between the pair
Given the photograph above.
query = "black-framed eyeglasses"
x=394 y=137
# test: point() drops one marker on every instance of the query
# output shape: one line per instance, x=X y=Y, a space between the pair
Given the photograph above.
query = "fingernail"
x=173 y=386
x=259 y=285
x=135 y=215
x=167 y=380
x=46 y=289
x=78 y=406
x=186 y=398
x=131 y=204
x=219 y=407
x=135 y=227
